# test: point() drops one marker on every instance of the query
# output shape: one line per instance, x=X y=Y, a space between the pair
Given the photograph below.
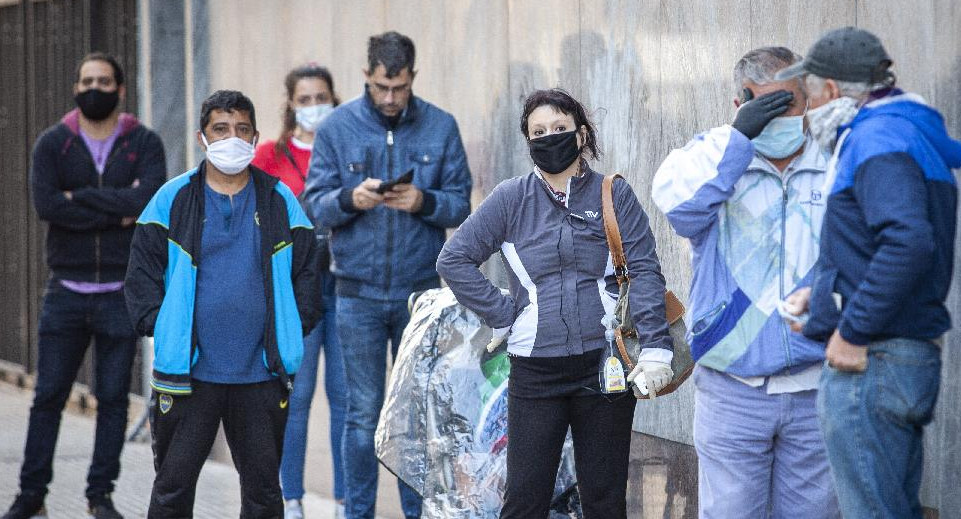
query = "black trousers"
x=536 y=427
x=184 y=429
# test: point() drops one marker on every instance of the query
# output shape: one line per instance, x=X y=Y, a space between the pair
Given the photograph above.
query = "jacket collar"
x=574 y=184
x=262 y=181
x=126 y=122
x=812 y=158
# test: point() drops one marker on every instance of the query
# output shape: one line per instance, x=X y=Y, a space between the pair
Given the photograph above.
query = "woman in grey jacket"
x=548 y=228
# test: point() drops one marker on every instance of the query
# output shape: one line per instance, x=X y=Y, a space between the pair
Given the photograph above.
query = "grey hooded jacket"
x=559 y=266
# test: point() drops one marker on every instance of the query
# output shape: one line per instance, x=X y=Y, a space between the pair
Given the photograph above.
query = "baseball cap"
x=845 y=54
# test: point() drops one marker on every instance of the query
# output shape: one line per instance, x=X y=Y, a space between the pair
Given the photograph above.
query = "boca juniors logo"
x=166 y=402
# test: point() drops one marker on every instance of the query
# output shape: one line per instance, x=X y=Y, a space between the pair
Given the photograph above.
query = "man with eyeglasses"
x=388 y=175
x=91 y=175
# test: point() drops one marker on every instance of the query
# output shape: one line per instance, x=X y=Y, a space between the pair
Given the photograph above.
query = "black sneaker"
x=101 y=507
x=26 y=506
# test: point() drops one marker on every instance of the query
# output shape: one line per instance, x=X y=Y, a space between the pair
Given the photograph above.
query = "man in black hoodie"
x=91 y=174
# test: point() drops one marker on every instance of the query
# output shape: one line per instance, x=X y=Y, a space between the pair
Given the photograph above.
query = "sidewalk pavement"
x=218 y=491
x=663 y=480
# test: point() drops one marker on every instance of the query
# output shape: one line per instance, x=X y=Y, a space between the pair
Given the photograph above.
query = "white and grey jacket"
x=559 y=267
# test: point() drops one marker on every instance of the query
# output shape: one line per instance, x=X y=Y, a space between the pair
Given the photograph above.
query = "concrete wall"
x=653 y=72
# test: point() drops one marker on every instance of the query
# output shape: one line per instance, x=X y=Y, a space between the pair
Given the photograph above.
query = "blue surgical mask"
x=781 y=137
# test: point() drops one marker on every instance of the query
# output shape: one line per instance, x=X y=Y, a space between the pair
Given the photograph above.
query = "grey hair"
x=760 y=65
x=855 y=89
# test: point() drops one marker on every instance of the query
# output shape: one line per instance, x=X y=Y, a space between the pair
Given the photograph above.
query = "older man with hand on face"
x=747 y=195
x=887 y=246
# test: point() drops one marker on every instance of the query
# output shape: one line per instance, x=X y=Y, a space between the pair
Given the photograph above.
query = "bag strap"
x=614 y=243
x=611 y=229
x=290 y=157
x=674 y=309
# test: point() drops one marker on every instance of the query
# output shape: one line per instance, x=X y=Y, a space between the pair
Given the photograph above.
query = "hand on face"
x=754 y=115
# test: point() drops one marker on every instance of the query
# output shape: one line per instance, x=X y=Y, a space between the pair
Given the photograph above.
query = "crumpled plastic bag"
x=443 y=427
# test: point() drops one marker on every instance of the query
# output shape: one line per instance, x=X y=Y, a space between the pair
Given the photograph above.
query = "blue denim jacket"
x=384 y=253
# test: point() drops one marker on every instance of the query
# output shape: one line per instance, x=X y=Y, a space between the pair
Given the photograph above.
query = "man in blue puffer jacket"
x=887 y=249
x=384 y=242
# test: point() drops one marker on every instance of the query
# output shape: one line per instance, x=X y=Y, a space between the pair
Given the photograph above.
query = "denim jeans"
x=323 y=337
x=873 y=424
x=364 y=327
x=68 y=320
x=759 y=455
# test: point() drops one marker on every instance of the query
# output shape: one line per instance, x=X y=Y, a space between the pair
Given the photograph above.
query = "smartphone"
x=406 y=178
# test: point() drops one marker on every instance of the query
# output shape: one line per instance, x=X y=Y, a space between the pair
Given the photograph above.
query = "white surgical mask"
x=310 y=117
x=781 y=137
x=230 y=156
x=824 y=121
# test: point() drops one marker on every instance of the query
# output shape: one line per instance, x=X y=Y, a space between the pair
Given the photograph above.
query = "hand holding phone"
x=406 y=178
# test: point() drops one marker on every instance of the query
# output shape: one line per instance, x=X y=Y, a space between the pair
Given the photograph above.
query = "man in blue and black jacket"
x=887 y=250
x=384 y=242
x=223 y=276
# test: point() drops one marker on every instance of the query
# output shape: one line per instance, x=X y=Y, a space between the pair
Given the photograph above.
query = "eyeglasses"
x=384 y=89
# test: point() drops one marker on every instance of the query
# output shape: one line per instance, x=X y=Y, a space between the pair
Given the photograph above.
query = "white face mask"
x=824 y=121
x=230 y=156
x=310 y=117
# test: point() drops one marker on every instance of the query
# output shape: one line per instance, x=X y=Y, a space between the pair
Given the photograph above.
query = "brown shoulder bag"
x=626 y=340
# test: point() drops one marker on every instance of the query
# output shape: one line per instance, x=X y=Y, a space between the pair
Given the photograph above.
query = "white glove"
x=499 y=335
x=650 y=375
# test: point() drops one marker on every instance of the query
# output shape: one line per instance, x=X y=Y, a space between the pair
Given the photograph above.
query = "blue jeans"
x=873 y=424
x=323 y=337
x=759 y=455
x=364 y=327
x=68 y=320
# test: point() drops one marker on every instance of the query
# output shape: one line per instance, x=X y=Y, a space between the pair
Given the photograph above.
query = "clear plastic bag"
x=443 y=427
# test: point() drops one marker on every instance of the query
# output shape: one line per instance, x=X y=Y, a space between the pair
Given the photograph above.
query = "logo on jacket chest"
x=592 y=214
x=817 y=198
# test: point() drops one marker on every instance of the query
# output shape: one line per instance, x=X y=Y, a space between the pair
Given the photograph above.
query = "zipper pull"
x=390 y=137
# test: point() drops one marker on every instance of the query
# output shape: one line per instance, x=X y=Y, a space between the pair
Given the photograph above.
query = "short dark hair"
x=228 y=101
x=393 y=50
x=102 y=56
x=565 y=103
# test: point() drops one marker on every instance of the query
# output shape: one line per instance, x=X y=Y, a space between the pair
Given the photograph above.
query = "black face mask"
x=95 y=104
x=554 y=153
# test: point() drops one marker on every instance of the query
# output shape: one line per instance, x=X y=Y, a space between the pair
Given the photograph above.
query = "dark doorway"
x=41 y=42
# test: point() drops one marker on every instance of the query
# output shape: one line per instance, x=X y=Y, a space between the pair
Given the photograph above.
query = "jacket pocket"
x=703 y=324
x=359 y=163
x=426 y=163
x=906 y=385
x=524 y=328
